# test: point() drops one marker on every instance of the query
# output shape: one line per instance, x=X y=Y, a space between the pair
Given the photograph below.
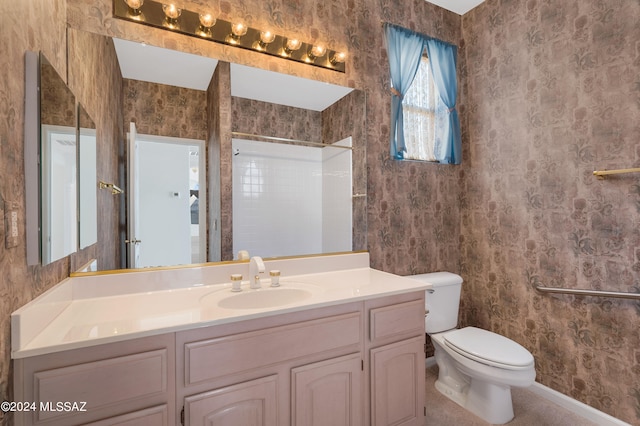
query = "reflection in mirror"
x=168 y=108
x=291 y=199
x=58 y=156
x=88 y=180
x=166 y=177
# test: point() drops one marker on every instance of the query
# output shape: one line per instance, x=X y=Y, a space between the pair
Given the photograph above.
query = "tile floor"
x=529 y=408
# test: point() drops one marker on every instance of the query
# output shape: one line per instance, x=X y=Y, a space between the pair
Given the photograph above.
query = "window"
x=422 y=109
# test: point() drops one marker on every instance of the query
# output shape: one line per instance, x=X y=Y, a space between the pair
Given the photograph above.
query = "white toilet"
x=476 y=367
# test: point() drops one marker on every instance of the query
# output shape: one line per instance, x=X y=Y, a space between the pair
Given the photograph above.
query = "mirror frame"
x=31 y=153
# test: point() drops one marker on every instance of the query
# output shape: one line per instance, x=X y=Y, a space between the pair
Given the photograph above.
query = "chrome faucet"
x=256 y=267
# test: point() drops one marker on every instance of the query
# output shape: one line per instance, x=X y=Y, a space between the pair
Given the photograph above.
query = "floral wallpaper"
x=158 y=109
x=40 y=26
x=96 y=81
x=553 y=93
x=57 y=103
x=262 y=118
x=549 y=92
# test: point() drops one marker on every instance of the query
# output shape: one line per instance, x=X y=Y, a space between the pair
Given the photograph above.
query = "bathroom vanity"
x=337 y=343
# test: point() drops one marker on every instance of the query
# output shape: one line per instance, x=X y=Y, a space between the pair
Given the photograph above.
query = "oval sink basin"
x=264 y=298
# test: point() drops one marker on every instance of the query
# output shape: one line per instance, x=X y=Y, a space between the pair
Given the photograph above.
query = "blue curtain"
x=404 y=48
x=442 y=58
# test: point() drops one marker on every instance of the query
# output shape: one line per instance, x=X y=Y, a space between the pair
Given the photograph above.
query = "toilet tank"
x=443 y=304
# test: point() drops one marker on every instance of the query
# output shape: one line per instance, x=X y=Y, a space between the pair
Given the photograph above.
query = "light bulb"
x=317 y=51
x=338 y=58
x=134 y=7
x=134 y=4
x=290 y=46
x=293 y=44
x=207 y=20
x=238 y=29
x=171 y=11
x=267 y=37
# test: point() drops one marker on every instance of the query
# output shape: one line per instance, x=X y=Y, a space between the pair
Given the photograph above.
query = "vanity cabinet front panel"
x=396 y=320
x=214 y=358
x=397 y=383
x=225 y=362
x=328 y=392
x=155 y=416
x=252 y=403
x=91 y=384
x=396 y=360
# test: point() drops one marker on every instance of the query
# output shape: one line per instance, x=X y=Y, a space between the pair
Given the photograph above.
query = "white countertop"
x=104 y=308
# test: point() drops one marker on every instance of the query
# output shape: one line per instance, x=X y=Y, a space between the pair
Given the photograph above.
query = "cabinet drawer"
x=213 y=358
x=104 y=383
x=401 y=319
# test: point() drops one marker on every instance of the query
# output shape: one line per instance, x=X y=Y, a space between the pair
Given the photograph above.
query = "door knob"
x=134 y=241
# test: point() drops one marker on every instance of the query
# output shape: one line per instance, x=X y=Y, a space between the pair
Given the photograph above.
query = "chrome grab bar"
x=595 y=293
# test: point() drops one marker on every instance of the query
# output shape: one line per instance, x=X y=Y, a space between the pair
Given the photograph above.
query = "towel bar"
x=600 y=174
x=595 y=293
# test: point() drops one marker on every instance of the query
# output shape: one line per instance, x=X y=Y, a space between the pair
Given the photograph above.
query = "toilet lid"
x=488 y=348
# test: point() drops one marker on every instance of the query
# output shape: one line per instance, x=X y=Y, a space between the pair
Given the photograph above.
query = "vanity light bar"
x=186 y=22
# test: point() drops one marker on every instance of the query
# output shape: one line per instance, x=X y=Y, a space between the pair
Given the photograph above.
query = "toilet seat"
x=489 y=348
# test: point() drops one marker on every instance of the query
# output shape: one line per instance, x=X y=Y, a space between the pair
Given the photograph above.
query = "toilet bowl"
x=477 y=368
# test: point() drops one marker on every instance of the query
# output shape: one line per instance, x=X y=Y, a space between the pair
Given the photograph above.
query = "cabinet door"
x=328 y=392
x=155 y=416
x=397 y=383
x=252 y=403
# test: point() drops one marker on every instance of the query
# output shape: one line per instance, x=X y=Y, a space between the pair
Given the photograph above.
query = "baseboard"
x=581 y=409
x=575 y=406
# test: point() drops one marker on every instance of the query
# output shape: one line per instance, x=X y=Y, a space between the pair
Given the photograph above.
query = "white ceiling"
x=163 y=66
x=458 y=6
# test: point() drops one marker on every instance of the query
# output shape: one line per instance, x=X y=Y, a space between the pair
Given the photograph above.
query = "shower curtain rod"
x=287 y=140
x=595 y=293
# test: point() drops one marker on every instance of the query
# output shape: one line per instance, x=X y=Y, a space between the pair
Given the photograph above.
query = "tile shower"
x=268 y=220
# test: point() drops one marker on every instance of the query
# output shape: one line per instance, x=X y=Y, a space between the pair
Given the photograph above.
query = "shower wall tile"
x=277 y=198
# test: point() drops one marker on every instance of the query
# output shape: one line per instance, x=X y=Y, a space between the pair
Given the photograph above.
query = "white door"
x=161 y=201
x=133 y=220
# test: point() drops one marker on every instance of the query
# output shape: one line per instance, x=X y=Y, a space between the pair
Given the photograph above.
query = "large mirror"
x=60 y=166
x=58 y=163
x=292 y=180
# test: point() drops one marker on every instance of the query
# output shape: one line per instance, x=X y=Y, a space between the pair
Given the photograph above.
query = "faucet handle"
x=275 y=278
x=236 y=282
